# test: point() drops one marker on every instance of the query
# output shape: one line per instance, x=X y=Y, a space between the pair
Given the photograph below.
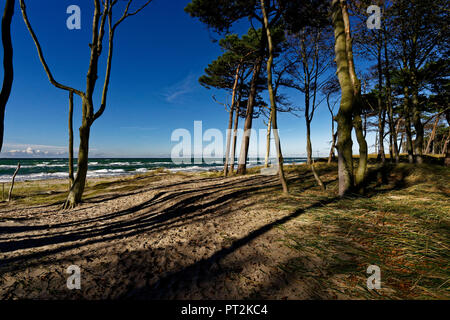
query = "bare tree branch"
x=126 y=14
x=41 y=55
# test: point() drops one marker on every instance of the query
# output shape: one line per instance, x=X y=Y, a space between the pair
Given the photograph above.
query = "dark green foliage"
x=221 y=14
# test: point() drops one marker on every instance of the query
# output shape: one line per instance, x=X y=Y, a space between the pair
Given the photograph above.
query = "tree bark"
x=357 y=102
x=409 y=143
x=12 y=182
x=269 y=127
x=363 y=154
x=308 y=134
x=345 y=114
x=71 y=177
x=387 y=75
x=236 y=123
x=8 y=70
x=77 y=189
x=332 y=156
x=432 y=136
x=416 y=117
x=242 y=164
x=230 y=121
x=381 y=108
x=272 y=100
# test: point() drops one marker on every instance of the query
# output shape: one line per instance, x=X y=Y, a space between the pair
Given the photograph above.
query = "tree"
x=8 y=74
x=70 y=125
x=420 y=35
x=103 y=15
x=228 y=71
x=330 y=88
x=273 y=109
x=349 y=114
x=281 y=79
x=221 y=15
x=312 y=56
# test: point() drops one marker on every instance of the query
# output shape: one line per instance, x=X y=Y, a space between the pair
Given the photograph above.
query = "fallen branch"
x=12 y=182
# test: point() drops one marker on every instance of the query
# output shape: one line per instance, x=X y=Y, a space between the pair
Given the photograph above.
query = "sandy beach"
x=191 y=236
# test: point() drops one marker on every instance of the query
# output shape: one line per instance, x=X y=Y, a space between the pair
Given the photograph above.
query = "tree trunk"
x=242 y=165
x=12 y=182
x=432 y=136
x=307 y=117
x=77 y=189
x=393 y=132
x=345 y=114
x=409 y=143
x=357 y=103
x=401 y=142
x=445 y=149
x=269 y=127
x=308 y=136
x=317 y=177
x=363 y=154
x=230 y=121
x=236 y=123
x=381 y=108
x=332 y=156
x=71 y=177
x=8 y=70
x=418 y=143
x=273 y=101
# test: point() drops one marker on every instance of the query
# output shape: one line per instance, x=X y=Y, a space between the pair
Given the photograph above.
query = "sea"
x=42 y=169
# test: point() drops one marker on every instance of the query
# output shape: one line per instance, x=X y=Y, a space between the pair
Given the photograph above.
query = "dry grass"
x=402 y=226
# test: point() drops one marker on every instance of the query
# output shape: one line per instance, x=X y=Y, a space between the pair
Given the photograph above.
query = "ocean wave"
x=35 y=176
x=195 y=169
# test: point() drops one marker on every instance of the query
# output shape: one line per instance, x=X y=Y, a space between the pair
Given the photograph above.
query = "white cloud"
x=32 y=151
x=175 y=92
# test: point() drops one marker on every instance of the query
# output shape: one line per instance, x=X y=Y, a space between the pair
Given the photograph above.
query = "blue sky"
x=159 y=55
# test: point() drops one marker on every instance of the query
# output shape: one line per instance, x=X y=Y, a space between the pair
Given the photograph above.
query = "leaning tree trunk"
x=310 y=161
x=71 y=177
x=345 y=114
x=381 y=108
x=416 y=117
x=432 y=136
x=12 y=182
x=242 y=165
x=236 y=123
x=230 y=121
x=393 y=132
x=332 y=156
x=8 y=71
x=308 y=129
x=77 y=189
x=363 y=152
x=229 y=129
x=272 y=100
x=409 y=143
x=269 y=128
x=357 y=102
